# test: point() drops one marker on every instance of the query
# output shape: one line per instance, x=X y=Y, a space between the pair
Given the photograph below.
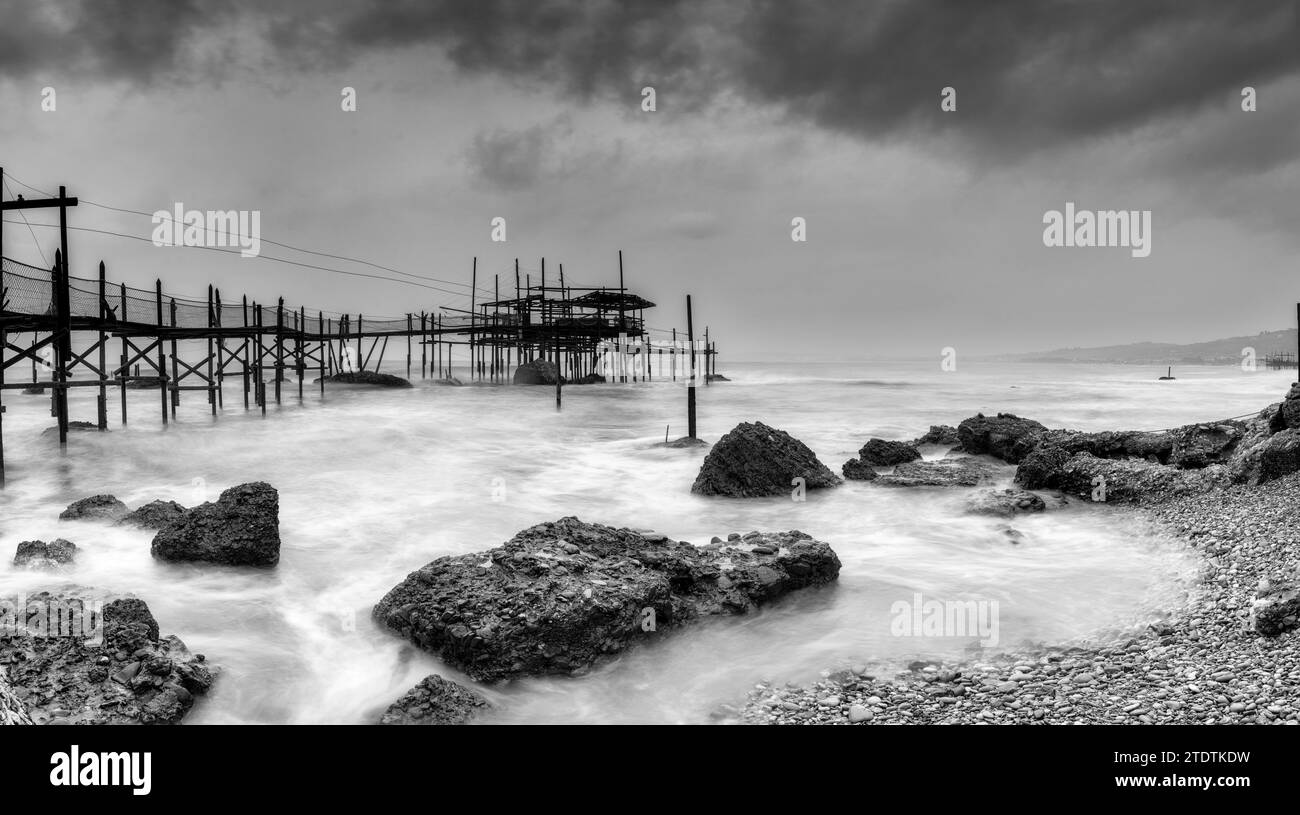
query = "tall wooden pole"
x=690 y=388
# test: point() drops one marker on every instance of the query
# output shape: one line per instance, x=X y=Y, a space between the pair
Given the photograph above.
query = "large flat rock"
x=558 y=596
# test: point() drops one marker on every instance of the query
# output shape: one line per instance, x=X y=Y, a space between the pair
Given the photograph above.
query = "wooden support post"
x=162 y=355
x=248 y=342
x=221 y=354
x=324 y=342
x=103 y=350
x=260 y=369
x=279 y=347
x=409 y=329
x=424 y=346
x=125 y=370
x=212 y=377
x=302 y=347
x=473 y=292
x=176 y=379
x=690 y=388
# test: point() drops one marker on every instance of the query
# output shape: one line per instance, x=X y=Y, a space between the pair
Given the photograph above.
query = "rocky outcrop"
x=881 y=453
x=589 y=379
x=1275 y=609
x=1005 y=503
x=942 y=434
x=96 y=507
x=1191 y=447
x=242 y=528
x=1134 y=481
x=12 y=710
x=715 y=378
x=111 y=667
x=368 y=378
x=1270 y=443
x=435 y=701
x=756 y=460
x=538 y=372
x=958 y=471
x=42 y=555
x=1005 y=436
x=855 y=469
x=558 y=596
x=154 y=515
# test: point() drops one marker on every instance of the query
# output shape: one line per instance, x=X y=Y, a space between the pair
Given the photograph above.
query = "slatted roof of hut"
x=612 y=300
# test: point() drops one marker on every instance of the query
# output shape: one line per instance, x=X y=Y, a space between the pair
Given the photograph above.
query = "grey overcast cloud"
x=924 y=226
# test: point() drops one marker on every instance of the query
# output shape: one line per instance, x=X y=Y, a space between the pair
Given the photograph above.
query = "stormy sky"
x=924 y=226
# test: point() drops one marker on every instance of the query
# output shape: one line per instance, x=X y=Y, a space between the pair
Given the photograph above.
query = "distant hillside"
x=1215 y=352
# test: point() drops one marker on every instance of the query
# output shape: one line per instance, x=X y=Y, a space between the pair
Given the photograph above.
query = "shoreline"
x=1204 y=665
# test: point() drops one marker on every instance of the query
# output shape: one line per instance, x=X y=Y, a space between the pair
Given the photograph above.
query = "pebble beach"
x=1204 y=664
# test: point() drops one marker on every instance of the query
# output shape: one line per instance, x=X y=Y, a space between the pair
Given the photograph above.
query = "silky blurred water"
x=374 y=484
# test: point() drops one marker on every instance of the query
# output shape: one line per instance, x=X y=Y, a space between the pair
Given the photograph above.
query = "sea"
x=376 y=483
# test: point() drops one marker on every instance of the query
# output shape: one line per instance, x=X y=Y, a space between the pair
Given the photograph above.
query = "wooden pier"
x=89 y=332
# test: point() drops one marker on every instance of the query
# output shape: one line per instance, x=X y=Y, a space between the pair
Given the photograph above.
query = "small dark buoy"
x=1170 y=375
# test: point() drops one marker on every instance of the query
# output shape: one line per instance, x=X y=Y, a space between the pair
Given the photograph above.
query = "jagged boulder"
x=1288 y=413
x=957 y=471
x=42 y=555
x=1269 y=447
x=881 y=453
x=855 y=469
x=108 y=667
x=1275 y=609
x=559 y=596
x=96 y=507
x=154 y=515
x=1004 y=503
x=756 y=460
x=1005 y=436
x=940 y=434
x=435 y=701
x=242 y=528
x=538 y=372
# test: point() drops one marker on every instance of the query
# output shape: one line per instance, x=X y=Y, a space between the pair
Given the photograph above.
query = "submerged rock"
x=589 y=379
x=756 y=460
x=372 y=378
x=75 y=427
x=42 y=555
x=684 y=442
x=449 y=380
x=558 y=596
x=1004 y=503
x=108 y=667
x=537 y=372
x=855 y=469
x=242 y=528
x=34 y=390
x=715 y=378
x=958 y=471
x=154 y=515
x=435 y=701
x=96 y=507
x=881 y=453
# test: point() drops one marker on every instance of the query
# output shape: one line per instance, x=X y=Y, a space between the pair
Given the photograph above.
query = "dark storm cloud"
x=114 y=39
x=1027 y=73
